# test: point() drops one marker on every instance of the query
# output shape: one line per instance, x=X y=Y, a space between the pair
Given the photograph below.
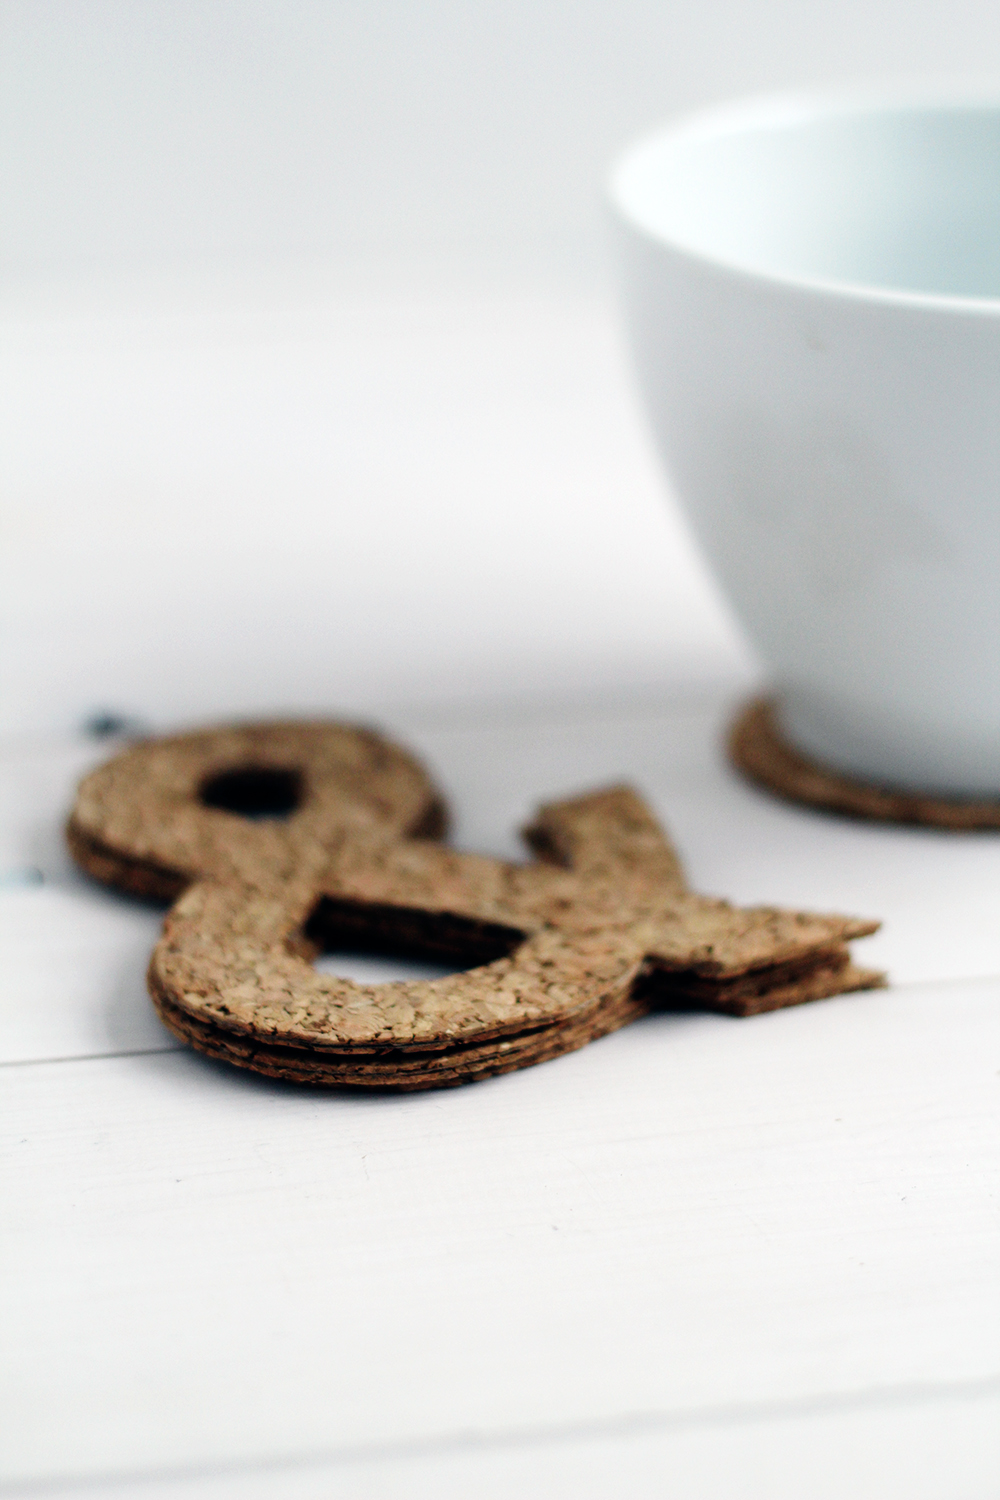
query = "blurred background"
x=314 y=396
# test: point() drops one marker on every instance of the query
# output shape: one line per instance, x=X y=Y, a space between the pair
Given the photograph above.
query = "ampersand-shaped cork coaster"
x=278 y=841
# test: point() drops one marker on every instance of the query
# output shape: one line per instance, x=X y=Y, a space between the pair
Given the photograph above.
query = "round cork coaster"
x=758 y=748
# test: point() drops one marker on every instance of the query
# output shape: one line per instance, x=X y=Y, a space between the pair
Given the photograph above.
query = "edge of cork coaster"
x=757 y=747
x=393 y=1071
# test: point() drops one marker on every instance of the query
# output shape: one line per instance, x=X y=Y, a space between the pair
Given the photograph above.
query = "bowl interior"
x=903 y=197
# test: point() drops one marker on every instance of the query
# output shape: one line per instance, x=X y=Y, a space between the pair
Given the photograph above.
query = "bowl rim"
x=789 y=108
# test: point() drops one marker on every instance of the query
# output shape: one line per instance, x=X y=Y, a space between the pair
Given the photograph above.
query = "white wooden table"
x=701 y=1258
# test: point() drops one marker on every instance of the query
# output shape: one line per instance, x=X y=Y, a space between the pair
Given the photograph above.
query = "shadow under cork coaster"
x=758 y=748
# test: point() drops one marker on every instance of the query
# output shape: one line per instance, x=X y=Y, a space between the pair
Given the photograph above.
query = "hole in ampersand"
x=374 y=944
x=254 y=791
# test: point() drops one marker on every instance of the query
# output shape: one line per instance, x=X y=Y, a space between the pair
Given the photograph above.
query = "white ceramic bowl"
x=813 y=291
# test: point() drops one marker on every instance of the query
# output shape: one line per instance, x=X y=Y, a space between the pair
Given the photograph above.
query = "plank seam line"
x=44 y=1062
x=620 y=1428
x=80 y=1057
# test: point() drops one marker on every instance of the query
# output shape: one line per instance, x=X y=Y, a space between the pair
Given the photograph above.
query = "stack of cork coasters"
x=277 y=842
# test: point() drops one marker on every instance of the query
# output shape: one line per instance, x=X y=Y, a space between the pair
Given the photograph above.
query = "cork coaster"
x=758 y=748
x=277 y=842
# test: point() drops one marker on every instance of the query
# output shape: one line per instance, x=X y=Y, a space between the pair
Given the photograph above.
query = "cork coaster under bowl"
x=758 y=748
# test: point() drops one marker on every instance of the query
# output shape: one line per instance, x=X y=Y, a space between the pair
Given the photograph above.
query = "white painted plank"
x=73 y=975
x=202 y=1268
x=37 y=781
x=284 y=498
x=74 y=956
x=934 y=1446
